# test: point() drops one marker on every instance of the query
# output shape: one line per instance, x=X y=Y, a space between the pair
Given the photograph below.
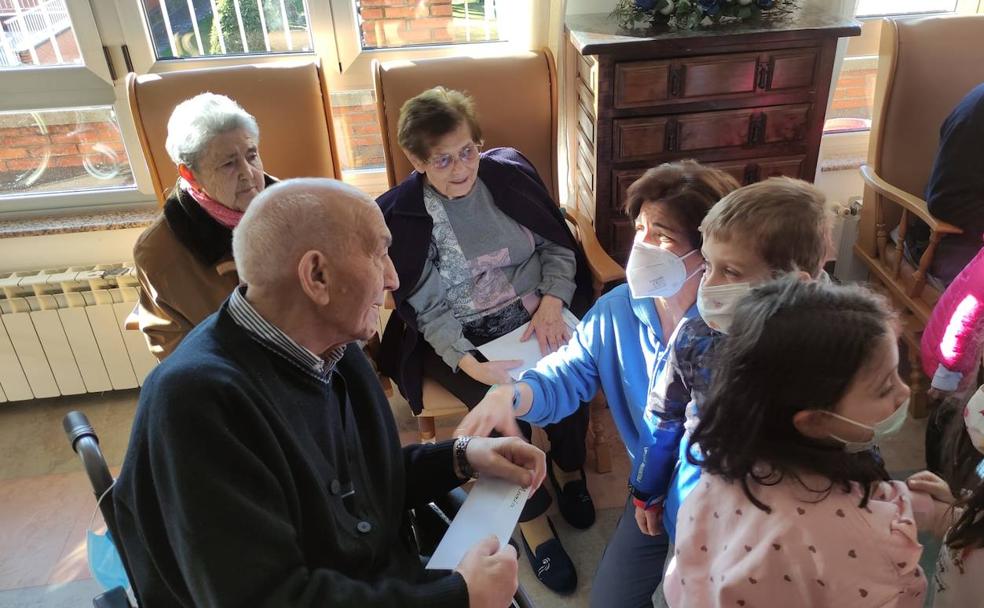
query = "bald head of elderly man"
x=264 y=466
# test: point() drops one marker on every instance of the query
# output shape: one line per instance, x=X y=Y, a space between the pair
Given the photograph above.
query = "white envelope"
x=509 y=347
x=492 y=507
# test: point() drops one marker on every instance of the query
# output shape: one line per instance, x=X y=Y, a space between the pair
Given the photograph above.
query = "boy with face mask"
x=752 y=235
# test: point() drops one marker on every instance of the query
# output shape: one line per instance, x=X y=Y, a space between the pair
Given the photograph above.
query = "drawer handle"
x=751 y=174
x=676 y=81
x=764 y=75
x=672 y=136
x=756 y=129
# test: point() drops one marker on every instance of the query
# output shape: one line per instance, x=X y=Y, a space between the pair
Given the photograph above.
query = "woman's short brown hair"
x=686 y=188
x=428 y=117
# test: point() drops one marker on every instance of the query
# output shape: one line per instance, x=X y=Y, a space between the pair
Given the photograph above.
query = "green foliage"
x=692 y=14
x=252 y=26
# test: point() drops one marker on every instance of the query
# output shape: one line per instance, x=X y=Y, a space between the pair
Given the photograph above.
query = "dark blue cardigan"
x=520 y=193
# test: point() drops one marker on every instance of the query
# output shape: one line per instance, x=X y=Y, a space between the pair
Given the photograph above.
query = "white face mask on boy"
x=717 y=304
x=654 y=272
x=880 y=430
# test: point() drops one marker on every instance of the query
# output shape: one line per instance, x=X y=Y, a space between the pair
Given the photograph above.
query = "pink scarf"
x=216 y=210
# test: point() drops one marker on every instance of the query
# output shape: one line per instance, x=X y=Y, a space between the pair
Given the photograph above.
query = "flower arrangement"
x=691 y=14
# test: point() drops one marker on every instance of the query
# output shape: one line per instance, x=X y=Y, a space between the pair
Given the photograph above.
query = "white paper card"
x=509 y=347
x=492 y=507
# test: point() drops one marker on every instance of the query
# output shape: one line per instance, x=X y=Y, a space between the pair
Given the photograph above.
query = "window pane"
x=873 y=8
x=61 y=151
x=360 y=144
x=854 y=95
x=194 y=28
x=36 y=32
x=398 y=23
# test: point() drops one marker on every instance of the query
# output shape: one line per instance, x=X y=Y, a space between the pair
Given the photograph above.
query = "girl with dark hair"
x=959 y=579
x=794 y=503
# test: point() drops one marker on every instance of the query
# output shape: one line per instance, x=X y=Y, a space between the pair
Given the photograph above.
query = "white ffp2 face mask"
x=654 y=272
x=717 y=304
x=879 y=431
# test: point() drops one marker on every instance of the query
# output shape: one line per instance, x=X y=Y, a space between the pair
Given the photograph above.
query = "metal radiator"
x=61 y=332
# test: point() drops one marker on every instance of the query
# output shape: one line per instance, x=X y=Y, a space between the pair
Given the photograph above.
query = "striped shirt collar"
x=271 y=337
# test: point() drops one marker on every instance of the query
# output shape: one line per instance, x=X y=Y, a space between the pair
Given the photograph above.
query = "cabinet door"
x=786 y=123
x=641 y=83
x=718 y=75
x=757 y=169
x=714 y=130
x=790 y=166
x=647 y=83
x=792 y=69
x=623 y=179
x=623 y=234
x=639 y=137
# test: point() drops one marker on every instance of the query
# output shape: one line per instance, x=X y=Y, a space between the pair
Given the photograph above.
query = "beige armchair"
x=925 y=67
x=516 y=100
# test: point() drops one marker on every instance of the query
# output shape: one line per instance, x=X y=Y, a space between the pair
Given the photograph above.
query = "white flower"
x=668 y=9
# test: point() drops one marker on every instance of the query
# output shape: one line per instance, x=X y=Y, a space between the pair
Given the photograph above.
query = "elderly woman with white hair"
x=184 y=259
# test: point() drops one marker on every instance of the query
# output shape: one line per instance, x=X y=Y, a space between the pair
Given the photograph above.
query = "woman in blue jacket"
x=621 y=347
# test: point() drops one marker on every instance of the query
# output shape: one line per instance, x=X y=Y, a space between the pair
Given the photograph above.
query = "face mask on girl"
x=654 y=272
x=717 y=304
x=974 y=419
x=880 y=430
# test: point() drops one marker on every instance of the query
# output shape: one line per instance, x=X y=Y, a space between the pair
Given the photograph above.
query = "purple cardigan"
x=520 y=193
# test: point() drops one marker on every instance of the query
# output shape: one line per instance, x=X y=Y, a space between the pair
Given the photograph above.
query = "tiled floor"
x=46 y=503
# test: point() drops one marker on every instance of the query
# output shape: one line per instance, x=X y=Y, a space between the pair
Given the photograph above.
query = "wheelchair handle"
x=85 y=443
x=77 y=426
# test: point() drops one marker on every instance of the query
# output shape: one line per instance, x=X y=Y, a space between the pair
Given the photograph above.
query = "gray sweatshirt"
x=480 y=262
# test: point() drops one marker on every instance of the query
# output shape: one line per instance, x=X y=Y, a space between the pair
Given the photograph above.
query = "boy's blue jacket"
x=662 y=472
x=619 y=347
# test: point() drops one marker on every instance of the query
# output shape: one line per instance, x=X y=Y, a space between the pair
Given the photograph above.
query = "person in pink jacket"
x=795 y=508
x=953 y=340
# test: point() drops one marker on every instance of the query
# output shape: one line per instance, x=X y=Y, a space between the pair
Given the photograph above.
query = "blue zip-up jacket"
x=619 y=347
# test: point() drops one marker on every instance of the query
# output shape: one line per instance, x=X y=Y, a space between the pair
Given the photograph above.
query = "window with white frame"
x=66 y=138
x=854 y=88
x=60 y=136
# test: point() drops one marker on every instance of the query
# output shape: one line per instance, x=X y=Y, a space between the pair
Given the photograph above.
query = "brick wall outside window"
x=397 y=23
x=68 y=150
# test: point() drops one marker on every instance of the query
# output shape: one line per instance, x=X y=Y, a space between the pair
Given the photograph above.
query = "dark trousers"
x=631 y=567
x=566 y=437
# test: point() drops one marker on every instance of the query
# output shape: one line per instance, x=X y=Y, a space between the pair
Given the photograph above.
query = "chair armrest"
x=603 y=268
x=913 y=204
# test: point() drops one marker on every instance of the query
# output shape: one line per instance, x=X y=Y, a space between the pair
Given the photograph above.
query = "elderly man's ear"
x=313 y=271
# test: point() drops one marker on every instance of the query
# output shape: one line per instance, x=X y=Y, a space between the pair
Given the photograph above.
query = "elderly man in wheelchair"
x=264 y=466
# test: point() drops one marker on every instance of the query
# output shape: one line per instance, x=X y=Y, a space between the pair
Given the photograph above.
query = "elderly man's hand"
x=509 y=458
x=549 y=326
x=491 y=574
x=493 y=413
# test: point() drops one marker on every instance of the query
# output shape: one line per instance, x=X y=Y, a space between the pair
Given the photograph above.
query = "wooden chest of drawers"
x=749 y=99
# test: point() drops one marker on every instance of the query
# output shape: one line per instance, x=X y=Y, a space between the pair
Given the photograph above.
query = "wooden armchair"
x=925 y=67
x=516 y=99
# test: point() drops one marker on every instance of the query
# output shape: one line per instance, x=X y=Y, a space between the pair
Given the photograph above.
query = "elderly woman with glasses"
x=481 y=249
x=184 y=258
